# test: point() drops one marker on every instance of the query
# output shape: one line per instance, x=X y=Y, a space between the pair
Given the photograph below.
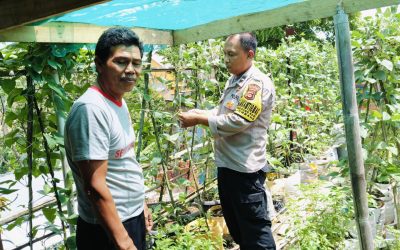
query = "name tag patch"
x=250 y=104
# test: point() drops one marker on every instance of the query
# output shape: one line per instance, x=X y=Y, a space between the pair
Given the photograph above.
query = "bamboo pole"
x=396 y=203
x=30 y=93
x=51 y=169
x=164 y=168
x=142 y=111
x=1 y=243
x=194 y=128
x=61 y=117
x=352 y=128
x=163 y=160
x=191 y=172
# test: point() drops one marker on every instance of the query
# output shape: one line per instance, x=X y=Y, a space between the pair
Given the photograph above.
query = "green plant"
x=395 y=243
x=176 y=237
x=305 y=78
x=34 y=80
x=377 y=72
x=320 y=219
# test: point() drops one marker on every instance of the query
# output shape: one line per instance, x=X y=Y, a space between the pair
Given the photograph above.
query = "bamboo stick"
x=30 y=93
x=142 y=111
x=61 y=117
x=351 y=122
x=51 y=170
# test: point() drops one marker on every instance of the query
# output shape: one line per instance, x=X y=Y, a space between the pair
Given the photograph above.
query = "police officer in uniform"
x=239 y=126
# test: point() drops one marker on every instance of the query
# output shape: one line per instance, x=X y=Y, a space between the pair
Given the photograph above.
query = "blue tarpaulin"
x=167 y=14
x=173 y=22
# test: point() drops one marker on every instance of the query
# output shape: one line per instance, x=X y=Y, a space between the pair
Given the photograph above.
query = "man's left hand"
x=148 y=219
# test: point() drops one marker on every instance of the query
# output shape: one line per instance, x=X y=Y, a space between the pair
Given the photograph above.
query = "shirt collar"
x=240 y=80
x=109 y=97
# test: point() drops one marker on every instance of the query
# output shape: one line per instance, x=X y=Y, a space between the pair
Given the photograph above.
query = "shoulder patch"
x=250 y=104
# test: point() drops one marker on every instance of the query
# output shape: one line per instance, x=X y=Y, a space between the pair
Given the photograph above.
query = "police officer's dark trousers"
x=244 y=205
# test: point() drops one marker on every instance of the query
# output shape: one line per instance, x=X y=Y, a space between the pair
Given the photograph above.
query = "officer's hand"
x=188 y=119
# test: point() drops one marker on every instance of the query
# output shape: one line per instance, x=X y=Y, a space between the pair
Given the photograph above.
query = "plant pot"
x=216 y=224
x=208 y=204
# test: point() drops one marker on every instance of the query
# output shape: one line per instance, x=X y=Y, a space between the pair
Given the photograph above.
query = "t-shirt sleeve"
x=88 y=133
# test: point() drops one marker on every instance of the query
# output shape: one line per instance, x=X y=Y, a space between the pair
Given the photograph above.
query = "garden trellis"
x=178 y=22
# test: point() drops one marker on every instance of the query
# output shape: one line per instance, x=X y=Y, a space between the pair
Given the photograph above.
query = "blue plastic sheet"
x=167 y=14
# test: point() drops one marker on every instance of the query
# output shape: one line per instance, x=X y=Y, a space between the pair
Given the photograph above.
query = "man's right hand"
x=193 y=117
x=126 y=244
x=94 y=173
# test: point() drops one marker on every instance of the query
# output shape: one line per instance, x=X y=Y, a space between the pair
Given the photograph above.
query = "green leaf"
x=188 y=103
x=10 y=117
x=13 y=96
x=376 y=114
x=156 y=160
x=71 y=242
x=49 y=213
x=380 y=75
x=73 y=219
x=381 y=145
x=396 y=117
x=50 y=141
x=59 y=51
x=7 y=85
x=47 y=189
x=10 y=182
x=20 y=172
x=387 y=64
x=363 y=132
x=38 y=65
x=147 y=97
x=158 y=115
x=7 y=190
x=370 y=80
x=385 y=116
x=393 y=150
x=277 y=118
x=58 y=89
x=17 y=222
x=334 y=174
x=63 y=198
x=52 y=63
x=172 y=138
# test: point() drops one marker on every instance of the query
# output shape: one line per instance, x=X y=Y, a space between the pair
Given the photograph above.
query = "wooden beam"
x=59 y=32
x=298 y=12
x=16 y=13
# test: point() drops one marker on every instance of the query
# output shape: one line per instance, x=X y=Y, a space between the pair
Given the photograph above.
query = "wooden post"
x=351 y=122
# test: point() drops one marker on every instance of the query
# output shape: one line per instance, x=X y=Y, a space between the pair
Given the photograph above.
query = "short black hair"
x=248 y=41
x=113 y=37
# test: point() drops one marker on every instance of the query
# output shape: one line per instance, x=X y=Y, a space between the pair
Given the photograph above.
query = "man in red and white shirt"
x=99 y=144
